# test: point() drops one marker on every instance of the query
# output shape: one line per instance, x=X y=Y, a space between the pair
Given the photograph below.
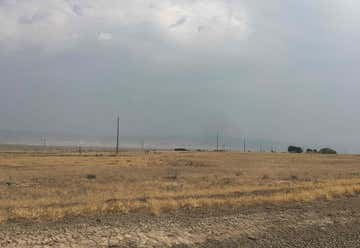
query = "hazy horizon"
x=230 y=143
x=276 y=71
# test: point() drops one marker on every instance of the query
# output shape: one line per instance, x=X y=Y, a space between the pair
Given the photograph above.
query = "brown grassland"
x=54 y=185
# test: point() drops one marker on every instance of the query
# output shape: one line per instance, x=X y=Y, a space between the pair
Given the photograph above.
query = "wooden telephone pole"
x=117 y=134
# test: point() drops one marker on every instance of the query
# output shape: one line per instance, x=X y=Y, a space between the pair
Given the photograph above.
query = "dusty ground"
x=53 y=185
x=178 y=199
x=323 y=224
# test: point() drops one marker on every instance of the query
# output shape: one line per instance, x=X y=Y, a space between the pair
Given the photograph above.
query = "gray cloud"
x=37 y=17
x=78 y=10
x=179 y=22
x=271 y=70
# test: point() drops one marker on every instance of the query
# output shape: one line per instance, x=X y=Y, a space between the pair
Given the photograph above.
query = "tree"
x=295 y=149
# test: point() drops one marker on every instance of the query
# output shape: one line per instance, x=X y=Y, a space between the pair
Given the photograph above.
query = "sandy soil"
x=322 y=224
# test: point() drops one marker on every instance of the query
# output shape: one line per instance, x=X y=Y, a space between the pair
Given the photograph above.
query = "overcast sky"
x=281 y=70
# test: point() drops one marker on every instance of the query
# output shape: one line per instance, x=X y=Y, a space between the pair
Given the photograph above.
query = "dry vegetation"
x=54 y=185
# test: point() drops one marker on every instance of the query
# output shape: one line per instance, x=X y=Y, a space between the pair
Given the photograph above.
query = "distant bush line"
x=296 y=149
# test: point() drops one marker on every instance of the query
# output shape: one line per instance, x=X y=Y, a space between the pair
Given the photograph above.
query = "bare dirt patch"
x=322 y=224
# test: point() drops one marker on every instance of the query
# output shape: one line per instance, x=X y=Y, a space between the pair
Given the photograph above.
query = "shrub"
x=172 y=174
x=181 y=150
x=327 y=151
x=293 y=178
x=265 y=177
x=311 y=151
x=295 y=149
x=91 y=176
x=239 y=173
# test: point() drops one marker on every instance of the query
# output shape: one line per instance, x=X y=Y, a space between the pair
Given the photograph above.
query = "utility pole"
x=43 y=139
x=143 y=145
x=117 y=134
x=217 y=142
x=244 y=145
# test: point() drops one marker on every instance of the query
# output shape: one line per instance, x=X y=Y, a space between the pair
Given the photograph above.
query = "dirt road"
x=323 y=224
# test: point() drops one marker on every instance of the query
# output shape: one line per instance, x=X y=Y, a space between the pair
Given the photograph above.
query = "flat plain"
x=160 y=194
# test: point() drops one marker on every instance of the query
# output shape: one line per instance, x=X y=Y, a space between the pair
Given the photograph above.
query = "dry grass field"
x=40 y=186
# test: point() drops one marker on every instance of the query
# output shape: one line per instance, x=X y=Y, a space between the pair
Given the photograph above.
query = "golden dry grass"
x=41 y=186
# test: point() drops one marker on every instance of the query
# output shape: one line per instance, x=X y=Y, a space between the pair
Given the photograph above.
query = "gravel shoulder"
x=322 y=224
